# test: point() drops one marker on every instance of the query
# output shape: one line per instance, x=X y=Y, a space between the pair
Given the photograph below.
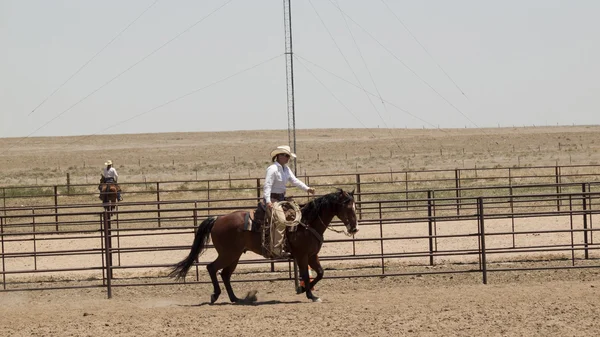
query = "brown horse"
x=230 y=240
x=109 y=196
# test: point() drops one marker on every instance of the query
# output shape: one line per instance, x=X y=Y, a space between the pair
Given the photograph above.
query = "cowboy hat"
x=283 y=149
x=108 y=162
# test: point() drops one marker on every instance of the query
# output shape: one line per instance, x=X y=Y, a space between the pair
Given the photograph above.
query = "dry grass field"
x=242 y=154
x=548 y=303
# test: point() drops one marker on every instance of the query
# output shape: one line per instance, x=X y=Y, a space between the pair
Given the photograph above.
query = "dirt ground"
x=540 y=303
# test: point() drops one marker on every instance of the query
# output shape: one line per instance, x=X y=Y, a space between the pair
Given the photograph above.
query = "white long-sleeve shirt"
x=110 y=173
x=276 y=179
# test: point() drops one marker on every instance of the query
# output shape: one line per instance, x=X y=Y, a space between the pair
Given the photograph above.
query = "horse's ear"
x=352 y=193
x=347 y=196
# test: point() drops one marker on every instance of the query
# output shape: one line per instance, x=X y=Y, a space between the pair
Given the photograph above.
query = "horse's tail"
x=200 y=241
x=104 y=193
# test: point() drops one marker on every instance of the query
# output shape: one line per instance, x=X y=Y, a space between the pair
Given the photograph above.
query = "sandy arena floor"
x=554 y=303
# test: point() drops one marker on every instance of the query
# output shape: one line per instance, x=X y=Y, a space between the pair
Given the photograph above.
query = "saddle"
x=260 y=214
x=273 y=225
x=106 y=183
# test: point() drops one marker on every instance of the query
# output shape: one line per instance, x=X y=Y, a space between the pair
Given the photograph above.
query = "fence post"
x=512 y=207
x=558 y=187
x=56 y=206
x=258 y=189
x=482 y=238
x=208 y=197
x=118 y=235
x=380 y=238
x=68 y=183
x=108 y=254
x=457 y=185
x=571 y=228
x=34 y=239
x=102 y=242
x=158 y=201
x=585 y=224
x=273 y=263
x=358 y=196
x=430 y=225
x=195 y=215
x=4 y=199
x=406 y=188
x=3 y=259
x=589 y=205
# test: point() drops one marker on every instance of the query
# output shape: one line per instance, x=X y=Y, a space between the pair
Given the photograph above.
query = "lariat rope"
x=278 y=214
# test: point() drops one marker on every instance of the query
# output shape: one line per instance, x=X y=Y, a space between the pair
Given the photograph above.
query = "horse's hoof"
x=300 y=290
x=316 y=299
x=214 y=298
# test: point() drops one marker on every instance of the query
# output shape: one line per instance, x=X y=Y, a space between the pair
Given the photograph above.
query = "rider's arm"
x=115 y=173
x=295 y=181
x=269 y=179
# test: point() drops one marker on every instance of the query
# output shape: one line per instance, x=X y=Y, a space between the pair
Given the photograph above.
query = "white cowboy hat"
x=283 y=149
x=108 y=162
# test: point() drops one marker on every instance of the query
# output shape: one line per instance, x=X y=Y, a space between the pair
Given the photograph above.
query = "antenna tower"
x=289 y=75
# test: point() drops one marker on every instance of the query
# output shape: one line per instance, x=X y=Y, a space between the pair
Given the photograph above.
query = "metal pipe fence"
x=127 y=247
x=466 y=182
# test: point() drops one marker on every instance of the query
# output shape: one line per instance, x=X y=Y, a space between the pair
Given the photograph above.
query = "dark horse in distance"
x=108 y=194
x=231 y=240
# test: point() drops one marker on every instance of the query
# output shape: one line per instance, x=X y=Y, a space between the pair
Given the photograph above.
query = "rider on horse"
x=109 y=176
x=278 y=174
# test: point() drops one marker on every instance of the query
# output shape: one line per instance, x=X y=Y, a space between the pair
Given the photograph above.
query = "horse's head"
x=347 y=210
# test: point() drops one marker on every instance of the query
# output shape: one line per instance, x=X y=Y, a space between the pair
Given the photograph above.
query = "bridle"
x=329 y=227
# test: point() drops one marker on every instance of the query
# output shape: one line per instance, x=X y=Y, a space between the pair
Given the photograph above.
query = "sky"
x=357 y=64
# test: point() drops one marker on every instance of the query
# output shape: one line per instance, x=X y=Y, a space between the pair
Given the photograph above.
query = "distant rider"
x=110 y=176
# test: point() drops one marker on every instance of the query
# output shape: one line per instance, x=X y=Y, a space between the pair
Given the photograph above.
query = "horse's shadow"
x=245 y=303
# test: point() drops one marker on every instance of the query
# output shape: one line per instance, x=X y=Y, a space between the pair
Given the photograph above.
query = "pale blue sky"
x=518 y=62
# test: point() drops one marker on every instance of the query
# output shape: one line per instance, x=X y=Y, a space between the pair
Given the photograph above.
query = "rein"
x=343 y=231
x=314 y=232
x=339 y=231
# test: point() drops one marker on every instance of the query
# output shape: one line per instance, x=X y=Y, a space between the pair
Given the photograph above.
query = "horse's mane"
x=312 y=209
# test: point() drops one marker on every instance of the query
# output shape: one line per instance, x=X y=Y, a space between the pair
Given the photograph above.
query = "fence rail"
x=456 y=179
x=402 y=233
